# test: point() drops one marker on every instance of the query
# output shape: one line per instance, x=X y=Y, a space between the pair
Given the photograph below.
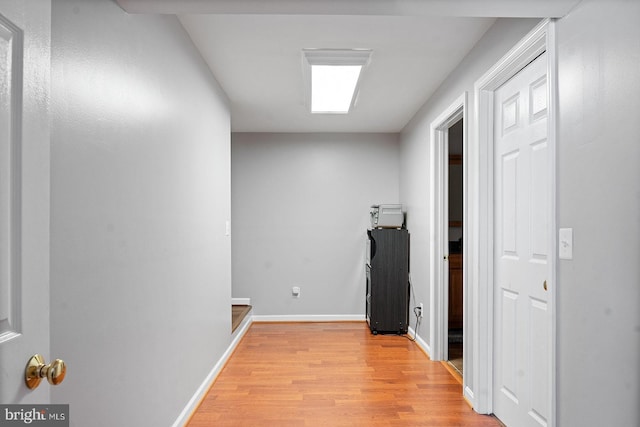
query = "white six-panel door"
x=24 y=195
x=522 y=310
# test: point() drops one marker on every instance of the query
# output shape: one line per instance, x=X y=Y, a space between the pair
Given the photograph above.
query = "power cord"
x=417 y=311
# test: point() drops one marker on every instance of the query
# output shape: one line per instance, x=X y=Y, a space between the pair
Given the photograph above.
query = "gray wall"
x=598 y=179
x=415 y=155
x=140 y=191
x=300 y=207
x=599 y=197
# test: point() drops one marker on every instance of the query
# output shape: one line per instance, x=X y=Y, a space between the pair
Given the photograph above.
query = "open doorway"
x=455 y=228
x=448 y=132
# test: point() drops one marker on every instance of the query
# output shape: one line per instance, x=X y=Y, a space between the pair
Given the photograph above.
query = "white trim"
x=469 y=395
x=420 y=342
x=439 y=290
x=200 y=393
x=540 y=39
x=12 y=190
x=552 y=78
x=310 y=318
x=240 y=301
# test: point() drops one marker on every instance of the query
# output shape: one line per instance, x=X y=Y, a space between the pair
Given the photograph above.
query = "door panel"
x=522 y=319
x=539 y=202
x=509 y=356
x=510 y=204
x=10 y=102
x=539 y=365
x=24 y=194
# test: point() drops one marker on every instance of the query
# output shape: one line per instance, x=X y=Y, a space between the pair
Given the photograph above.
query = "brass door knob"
x=36 y=370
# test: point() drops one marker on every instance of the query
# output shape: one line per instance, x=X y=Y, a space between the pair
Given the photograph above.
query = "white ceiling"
x=254 y=48
x=258 y=62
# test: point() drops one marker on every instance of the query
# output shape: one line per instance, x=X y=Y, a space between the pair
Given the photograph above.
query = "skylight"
x=333 y=77
x=333 y=87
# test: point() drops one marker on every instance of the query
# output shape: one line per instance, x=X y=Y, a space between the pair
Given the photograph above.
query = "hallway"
x=335 y=374
x=140 y=193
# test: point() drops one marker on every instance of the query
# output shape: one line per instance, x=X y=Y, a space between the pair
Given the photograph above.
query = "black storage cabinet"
x=387 y=300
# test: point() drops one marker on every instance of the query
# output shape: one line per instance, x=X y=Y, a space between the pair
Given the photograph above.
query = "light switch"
x=565 y=243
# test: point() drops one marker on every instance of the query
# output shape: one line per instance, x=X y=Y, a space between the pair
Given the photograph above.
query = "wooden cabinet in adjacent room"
x=455 y=291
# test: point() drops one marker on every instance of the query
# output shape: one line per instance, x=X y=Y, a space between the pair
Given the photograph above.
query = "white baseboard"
x=193 y=403
x=468 y=394
x=240 y=301
x=421 y=343
x=310 y=318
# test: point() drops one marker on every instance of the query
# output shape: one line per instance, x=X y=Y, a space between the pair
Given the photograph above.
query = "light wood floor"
x=455 y=356
x=238 y=313
x=332 y=374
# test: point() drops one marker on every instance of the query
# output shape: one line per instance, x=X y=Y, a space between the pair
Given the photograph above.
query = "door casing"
x=438 y=271
x=481 y=225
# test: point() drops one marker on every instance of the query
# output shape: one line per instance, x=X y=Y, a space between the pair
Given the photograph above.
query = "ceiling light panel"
x=332 y=78
x=333 y=87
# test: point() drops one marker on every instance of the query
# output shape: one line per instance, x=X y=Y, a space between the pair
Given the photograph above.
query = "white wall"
x=599 y=197
x=300 y=207
x=415 y=160
x=140 y=191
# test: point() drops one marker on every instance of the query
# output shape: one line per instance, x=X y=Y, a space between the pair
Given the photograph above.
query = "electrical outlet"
x=295 y=291
x=421 y=306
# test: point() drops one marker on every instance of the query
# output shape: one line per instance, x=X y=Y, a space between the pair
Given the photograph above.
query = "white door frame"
x=438 y=269
x=539 y=40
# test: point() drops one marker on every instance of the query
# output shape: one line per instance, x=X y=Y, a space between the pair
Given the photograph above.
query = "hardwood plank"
x=238 y=313
x=332 y=374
